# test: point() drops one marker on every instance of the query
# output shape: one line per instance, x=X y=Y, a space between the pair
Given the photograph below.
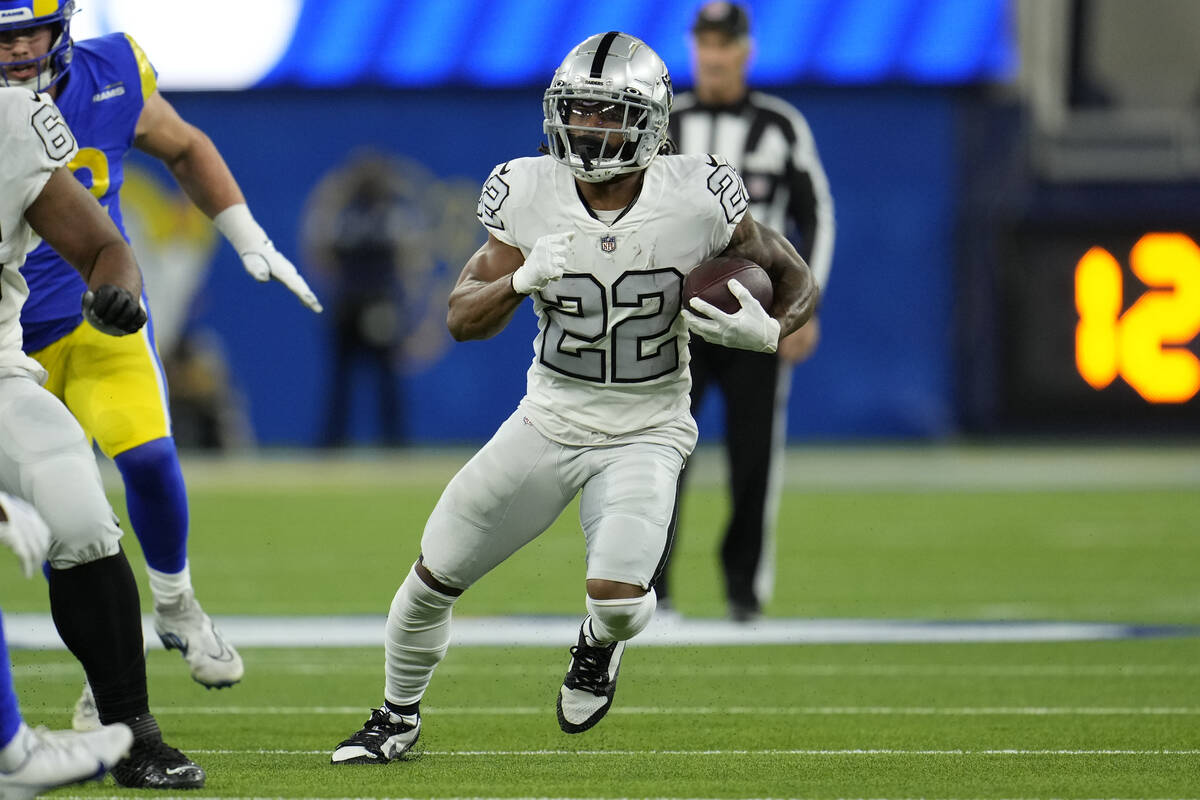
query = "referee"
x=770 y=145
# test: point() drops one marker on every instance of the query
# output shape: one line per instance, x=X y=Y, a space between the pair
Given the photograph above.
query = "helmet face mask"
x=607 y=107
x=24 y=17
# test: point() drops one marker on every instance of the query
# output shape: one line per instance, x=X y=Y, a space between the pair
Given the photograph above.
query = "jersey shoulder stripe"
x=146 y=70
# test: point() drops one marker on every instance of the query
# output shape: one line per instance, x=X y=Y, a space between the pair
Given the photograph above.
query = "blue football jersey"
x=101 y=99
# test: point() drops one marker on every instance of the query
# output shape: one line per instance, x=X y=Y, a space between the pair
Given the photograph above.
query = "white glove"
x=546 y=263
x=258 y=253
x=750 y=328
x=25 y=532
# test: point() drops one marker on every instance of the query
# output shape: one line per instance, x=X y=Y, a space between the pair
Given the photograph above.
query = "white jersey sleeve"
x=726 y=202
x=36 y=142
x=504 y=198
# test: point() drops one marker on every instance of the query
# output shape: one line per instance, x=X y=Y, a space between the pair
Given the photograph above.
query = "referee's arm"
x=810 y=206
x=810 y=209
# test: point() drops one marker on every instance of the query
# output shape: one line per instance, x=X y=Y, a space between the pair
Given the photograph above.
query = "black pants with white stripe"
x=749 y=384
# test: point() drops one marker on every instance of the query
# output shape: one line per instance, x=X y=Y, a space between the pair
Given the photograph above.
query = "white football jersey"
x=36 y=142
x=610 y=358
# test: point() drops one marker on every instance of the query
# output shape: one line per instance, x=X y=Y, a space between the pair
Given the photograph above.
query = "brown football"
x=709 y=280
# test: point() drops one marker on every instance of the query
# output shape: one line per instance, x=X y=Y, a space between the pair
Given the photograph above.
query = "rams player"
x=105 y=88
x=599 y=233
x=44 y=455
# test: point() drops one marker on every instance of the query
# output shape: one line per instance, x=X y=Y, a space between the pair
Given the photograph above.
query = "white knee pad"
x=618 y=620
x=418 y=634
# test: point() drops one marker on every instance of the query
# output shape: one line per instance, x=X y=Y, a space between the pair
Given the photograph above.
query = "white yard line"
x=37 y=631
x=820 y=753
x=764 y=711
x=343 y=666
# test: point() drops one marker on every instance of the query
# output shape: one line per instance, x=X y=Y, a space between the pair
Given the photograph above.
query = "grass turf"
x=1031 y=720
x=1084 y=719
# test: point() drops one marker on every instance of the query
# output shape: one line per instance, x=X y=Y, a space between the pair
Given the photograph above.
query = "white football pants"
x=45 y=458
x=519 y=482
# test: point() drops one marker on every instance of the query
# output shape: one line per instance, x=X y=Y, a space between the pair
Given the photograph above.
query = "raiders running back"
x=613 y=318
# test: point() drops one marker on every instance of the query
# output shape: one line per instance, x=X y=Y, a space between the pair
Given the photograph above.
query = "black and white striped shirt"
x=770 y=145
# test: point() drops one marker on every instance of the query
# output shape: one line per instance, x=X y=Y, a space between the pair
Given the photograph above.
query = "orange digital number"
x=1147 y=344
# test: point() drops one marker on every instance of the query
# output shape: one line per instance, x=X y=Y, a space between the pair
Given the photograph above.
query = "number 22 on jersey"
x=580 y=339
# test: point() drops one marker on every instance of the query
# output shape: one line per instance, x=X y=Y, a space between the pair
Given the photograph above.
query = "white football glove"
x=546 y=263
x=750 y=328
x=25 y=532
x=258 y=253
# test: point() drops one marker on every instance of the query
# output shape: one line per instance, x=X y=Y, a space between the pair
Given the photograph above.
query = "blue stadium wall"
x=884 y=367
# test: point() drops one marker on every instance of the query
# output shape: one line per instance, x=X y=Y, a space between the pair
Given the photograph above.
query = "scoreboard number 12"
x=1147 y=344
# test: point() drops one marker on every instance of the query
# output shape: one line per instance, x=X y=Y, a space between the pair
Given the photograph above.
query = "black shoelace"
x=590 y=670
x=377 y=728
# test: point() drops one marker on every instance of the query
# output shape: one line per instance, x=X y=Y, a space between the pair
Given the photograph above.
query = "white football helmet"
x=607 y=107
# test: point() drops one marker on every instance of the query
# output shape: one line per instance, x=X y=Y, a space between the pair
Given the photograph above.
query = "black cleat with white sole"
x=587 y=690
x=385 y=737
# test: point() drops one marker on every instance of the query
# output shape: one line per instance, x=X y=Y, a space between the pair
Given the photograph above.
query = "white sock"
x=168 y=586
x=418 y=634
x=589 y=637
x=13 y=754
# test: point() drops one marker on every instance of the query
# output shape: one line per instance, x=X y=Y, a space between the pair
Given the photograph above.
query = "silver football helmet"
x=607 y=107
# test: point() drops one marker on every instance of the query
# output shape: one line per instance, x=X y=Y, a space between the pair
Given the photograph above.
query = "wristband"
x=237 y=224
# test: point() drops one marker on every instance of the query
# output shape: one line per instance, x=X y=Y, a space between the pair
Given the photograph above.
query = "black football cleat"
x=587 y=690
x=154 y=764
x=385 y=737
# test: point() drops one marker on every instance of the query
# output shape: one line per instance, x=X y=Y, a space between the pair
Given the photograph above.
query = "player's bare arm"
x=205 y=177
x=74 y=223
x=67 y=216
x=483 y=300
x=796 y=292
x=189 y=154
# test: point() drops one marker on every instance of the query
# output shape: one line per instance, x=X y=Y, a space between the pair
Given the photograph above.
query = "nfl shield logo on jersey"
x=608 y=243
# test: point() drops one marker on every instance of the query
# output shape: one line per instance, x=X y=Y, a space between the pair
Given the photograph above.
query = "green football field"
x=989 y=535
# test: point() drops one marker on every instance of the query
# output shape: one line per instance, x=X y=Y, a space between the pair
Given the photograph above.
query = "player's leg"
x=340 y=383
x=156 y=499
x=116 y=389
x=33 y=762
x=45 y=458
x=10 y=711
x=703 y=368
x=391 y=411
x=625 y=509
x=502 y=499
x=755 y=427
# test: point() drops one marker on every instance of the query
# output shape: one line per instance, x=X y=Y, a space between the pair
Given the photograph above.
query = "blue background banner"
x=518 y=43
x=885 y=364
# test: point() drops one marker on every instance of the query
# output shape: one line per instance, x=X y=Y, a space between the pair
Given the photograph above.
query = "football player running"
x=106 y=90
x=45 y=457
x=600 y=233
